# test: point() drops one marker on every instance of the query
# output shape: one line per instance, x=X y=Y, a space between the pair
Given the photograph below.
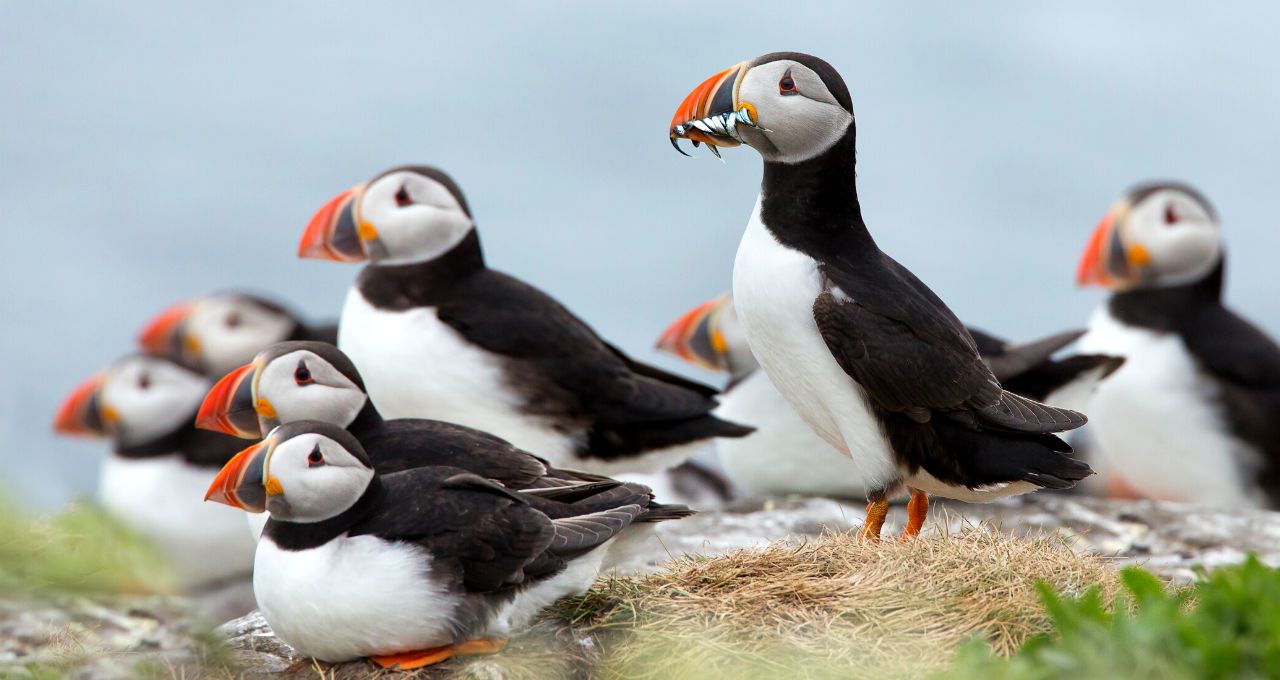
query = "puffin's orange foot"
x=917 y=511
x=871 y=526
x=407 y=661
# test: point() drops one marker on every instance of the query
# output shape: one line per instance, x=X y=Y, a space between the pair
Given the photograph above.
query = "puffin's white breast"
x=1158 y=423
x=773 y=292
x=353 y=597
x=162 y=498
x=784 y=455
x=415 y=366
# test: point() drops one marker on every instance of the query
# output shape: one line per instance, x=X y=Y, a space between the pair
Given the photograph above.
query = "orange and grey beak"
x=696 y=336
x=241 y=483
x=335 y=232
x=83 y=413
x=166 y=336
x=1108 y=260
x=712 y=113
x=230 y=406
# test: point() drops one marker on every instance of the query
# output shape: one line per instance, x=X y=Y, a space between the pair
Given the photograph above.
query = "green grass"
x=1226 y=626
x=80 y=551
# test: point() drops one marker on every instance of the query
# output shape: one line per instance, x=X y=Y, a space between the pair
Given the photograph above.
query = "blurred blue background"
x=151 y=151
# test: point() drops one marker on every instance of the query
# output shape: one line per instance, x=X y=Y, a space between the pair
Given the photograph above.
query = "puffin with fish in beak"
x=863 y=350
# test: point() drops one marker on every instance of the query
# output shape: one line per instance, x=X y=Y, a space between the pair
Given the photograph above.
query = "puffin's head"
x=788 y=106
x=216 y=333
x=286 y=382
x=138 y=400
x=1158 y=235
x=413 y=213
x=302 y=472
x=710 y=336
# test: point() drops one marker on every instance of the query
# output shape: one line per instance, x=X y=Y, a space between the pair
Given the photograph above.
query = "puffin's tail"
x=978 y=458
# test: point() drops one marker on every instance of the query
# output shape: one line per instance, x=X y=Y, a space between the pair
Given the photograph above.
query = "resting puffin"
x=1193 y=413
x=438 y=334
x=710 y=336
x=215 y=333
x=156 y=475
x=292 y=381
x=408 y=568
x=870 y=357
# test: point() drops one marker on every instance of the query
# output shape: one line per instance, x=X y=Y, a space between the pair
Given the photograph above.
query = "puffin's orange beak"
x=1108 y=261
x=334 y=233
x=711 y=112
x=82 y=412
x=229 y=406
x=163 y=335
x=240 y=482
x=696 y=336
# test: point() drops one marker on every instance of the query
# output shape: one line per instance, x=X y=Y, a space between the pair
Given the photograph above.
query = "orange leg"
x=407 y=661
x=877 y=510
x=917 y=511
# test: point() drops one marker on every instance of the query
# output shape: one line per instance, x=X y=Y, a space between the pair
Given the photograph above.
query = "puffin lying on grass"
x=409 y=568
x=295 y=381
x=1192 y=414
x=865 y=353
x=784 y=455
x=215 y=333
x=160 y=465
x=438 y=334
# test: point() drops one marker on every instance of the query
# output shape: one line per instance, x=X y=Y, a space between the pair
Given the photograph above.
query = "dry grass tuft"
x=829 y=608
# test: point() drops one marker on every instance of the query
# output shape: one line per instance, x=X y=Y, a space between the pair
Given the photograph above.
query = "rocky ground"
x=121 y=639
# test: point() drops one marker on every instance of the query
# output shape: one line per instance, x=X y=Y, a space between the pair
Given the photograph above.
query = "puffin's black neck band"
x=405 y=286
x=367 y=419
x=1167 y=309
x=306 y=535
x=198 y=447
x=812 y=206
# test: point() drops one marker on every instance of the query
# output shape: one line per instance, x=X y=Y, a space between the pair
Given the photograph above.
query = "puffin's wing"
x=555 y=350
x=911 y=355
x=656 y=373
x=577 y=535
x=1015 y=359
x=1234 y=350
x=408 y=443
x=488 y=533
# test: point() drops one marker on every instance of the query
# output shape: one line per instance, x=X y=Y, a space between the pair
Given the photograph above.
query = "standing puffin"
x=438 y=334
x=409 y=568
x=160 y=465
x=870 y=357
x=293 y=381
x=215 y=333
x=1192 y=414
x=784 y=455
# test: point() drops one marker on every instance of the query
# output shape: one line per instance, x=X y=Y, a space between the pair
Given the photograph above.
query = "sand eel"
x=1191 y=416
x=866 y=353
x=409 y=568
x=438 y=334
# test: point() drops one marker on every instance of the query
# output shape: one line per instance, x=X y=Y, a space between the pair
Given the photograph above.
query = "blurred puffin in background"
x=409 y=568
x=160 y=465
x=438 y=334
x=784 y=456
x=1193 y=415
x=216 y=333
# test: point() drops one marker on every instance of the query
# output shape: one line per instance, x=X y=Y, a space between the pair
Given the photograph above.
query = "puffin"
x=316 y=381
x=1191 y=416
x=160 y=465
x=407 y=568
x=711 y=337
x=216 y=333
x=871 y=358
x=438 y=334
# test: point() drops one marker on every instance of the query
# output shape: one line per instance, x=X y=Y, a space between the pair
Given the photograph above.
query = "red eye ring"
x=302 y=374
x=315 y=458
x=1170 y=215
x=786 y=84
x=402 y=197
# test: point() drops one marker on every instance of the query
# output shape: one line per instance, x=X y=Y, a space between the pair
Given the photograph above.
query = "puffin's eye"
x=233 y=320
x=302 y=374
x=144 y=380
x=402 y=197
x=315 y=458
x=787 y=86
x=1171 y=216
